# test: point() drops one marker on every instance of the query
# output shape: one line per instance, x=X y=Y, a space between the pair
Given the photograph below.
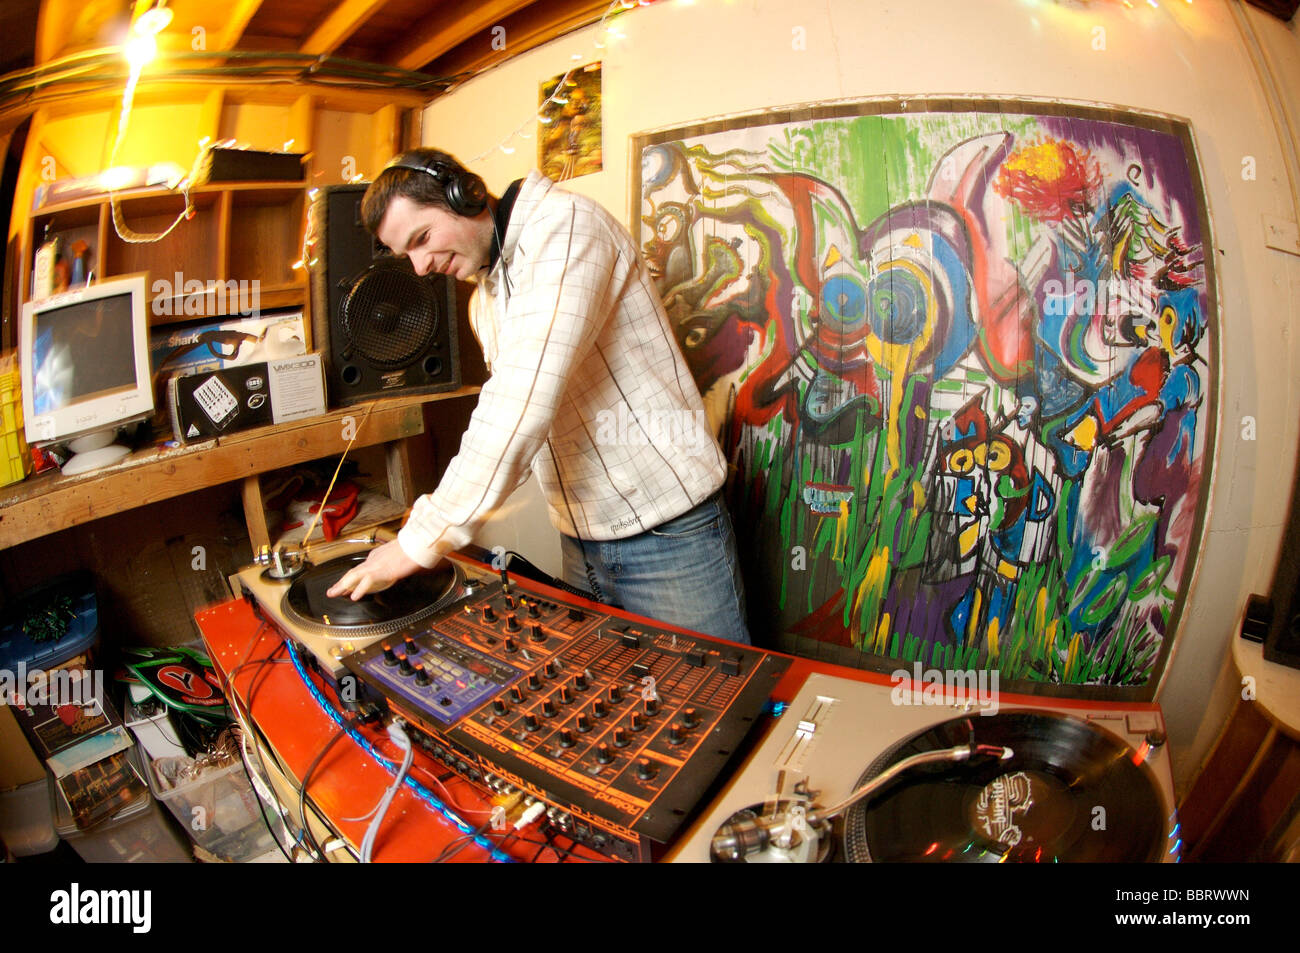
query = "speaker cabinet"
x=384 y=330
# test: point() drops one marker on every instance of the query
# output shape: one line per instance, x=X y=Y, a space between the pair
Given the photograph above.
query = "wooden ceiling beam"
x=444 y=31
x=525 y=31
x=65 y=25
x=336 y=28
x=236 y=23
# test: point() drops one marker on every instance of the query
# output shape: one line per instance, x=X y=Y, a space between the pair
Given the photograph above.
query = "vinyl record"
x=1071 y=792
x=403 y=603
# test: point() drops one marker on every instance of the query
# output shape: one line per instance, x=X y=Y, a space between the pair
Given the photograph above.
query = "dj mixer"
x=618 y=725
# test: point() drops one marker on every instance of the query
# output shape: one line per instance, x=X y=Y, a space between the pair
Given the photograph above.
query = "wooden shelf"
x=47 y=504
x=241 y=235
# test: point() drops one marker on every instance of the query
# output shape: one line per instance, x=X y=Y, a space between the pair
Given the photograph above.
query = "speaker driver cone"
x=390 y=315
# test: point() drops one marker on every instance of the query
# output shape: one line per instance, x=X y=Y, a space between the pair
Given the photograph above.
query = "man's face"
x=435 y=239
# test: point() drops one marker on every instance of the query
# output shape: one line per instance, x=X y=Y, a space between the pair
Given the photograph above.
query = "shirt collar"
x=501 y=221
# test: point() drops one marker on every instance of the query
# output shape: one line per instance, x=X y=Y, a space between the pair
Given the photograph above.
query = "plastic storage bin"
x=73 y=593
x=139 y=833
x=219 y=809
x=15 y=458
x=26 y=820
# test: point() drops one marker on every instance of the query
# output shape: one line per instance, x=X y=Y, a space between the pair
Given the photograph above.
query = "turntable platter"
x=1071 y=792
x=402 y=604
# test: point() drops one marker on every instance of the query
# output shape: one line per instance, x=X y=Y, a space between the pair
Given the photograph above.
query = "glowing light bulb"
x=140 y=50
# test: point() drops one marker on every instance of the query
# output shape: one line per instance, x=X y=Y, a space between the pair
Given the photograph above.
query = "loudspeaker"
x=383 y=329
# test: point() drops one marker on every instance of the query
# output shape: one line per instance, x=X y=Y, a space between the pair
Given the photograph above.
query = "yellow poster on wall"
x=569 y=134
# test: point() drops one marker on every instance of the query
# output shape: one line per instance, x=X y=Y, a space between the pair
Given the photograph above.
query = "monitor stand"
x=93 y=451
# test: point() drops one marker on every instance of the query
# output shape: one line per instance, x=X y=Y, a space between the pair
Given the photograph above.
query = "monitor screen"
x=85 y=361
x=82 y=351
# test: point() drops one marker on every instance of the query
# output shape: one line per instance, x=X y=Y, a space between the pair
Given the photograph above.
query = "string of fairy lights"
x=141 y=48
x=605 y=30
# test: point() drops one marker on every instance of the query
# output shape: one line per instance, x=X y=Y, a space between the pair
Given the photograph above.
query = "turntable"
x=333 y=628
x=848 y=774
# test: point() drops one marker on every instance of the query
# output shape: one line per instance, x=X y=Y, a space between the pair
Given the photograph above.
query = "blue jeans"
x=683 y=572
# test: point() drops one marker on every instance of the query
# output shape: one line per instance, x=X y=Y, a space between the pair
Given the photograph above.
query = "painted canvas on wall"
x=569 y=127
x=961 y=355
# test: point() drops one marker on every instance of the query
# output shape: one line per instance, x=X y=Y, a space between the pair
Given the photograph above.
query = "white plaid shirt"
x=587 y=387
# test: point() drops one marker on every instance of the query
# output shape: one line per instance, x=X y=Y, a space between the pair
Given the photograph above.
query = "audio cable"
x=403 y=775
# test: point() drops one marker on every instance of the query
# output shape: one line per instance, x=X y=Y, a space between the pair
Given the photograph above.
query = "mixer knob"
x=566 y=738
x=645 y=769
x=637 y=721
x=536 y=632
x=532 y=609
x=530 y=722
x=675 y=734
x=488 y=615
x=509 y=601
x=620 y=738
x=512 y=624
x=411 y=647
x=615 y=694
x=548 y=708
x=390 y=657
x=517 y=693
x=552 y=668
x=651 y=706
x=510 y=645
x=404 y=665
x=580 y=682
x=534 y=681
x=603 y=754
x=598 y=708
x=499 y=706
x=566 y=695
x=583 y=723
x=421 y=676
x=690 y=717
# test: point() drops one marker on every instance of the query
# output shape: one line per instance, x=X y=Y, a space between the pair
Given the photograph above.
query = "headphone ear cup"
x=466 y=194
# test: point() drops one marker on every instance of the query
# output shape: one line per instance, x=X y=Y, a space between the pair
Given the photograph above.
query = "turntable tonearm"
x=1085 y=782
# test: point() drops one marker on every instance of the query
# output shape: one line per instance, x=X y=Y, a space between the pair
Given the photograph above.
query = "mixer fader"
x=620 y=726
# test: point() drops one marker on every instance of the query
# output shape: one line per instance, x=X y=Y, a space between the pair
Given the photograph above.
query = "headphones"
x=465 y=191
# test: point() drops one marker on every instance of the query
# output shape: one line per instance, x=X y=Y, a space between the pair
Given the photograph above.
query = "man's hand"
x=384 y=566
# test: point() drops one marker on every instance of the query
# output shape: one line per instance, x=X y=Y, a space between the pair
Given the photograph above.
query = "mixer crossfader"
x=619 y=726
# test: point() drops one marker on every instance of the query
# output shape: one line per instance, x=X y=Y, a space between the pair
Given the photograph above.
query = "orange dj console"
x=625 y=739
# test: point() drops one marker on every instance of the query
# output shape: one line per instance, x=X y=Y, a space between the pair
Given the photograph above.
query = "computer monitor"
x=85 y=369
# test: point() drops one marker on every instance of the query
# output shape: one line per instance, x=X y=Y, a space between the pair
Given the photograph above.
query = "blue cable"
x=420 y=790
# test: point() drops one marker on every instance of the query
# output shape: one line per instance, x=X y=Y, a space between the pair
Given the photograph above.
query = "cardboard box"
x=18 y=763
x=214 y=403
x=185 y=349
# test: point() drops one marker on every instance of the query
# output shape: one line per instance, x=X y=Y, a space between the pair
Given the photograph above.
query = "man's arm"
x=559 y=301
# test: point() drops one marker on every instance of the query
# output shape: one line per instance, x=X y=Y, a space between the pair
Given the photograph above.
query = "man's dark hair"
x=420 y=187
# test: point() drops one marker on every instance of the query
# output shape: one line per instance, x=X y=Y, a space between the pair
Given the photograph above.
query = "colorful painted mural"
x=961 y=357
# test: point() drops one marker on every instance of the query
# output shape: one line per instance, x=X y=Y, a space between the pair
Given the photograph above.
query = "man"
x=587 y=388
